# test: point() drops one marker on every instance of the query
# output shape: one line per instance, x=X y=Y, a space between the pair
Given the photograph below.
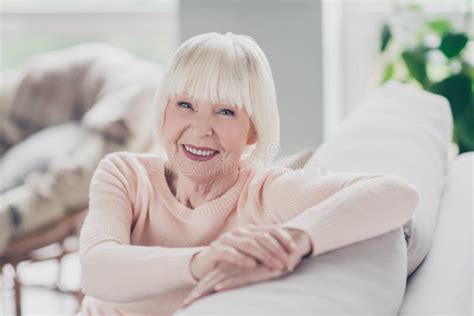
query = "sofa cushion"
x=339 y=282
x=401 y=130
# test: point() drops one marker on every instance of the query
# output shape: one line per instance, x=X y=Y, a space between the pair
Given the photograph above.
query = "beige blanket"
x=107 y=89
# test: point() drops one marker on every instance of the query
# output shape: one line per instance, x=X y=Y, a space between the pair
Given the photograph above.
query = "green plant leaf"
x=467 y=69
x=465 y=129
x=415 y=60
x=457 y=89
x=440 y=26
x=452 y=44
x=388 y=74
x=415 y=7
x=385 y=37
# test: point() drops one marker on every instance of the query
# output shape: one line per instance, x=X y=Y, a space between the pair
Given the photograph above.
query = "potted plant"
x=436 y=56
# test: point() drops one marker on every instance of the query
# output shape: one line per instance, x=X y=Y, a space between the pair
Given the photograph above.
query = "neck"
x=192 y=190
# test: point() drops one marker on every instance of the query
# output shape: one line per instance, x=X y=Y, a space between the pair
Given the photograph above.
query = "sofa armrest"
x=442 y=283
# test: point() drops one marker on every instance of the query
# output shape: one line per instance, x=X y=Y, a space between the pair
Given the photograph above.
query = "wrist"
x=303 y=241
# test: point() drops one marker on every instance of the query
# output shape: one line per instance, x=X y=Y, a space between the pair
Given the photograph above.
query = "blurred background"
x=326 y=56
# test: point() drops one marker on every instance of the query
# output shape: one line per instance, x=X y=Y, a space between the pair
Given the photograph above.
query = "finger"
x=271 y=244
x=249 y=246
x=205 y=286
x=229 y=254
x=284 y=238
x=247 y=278
x=214 y=274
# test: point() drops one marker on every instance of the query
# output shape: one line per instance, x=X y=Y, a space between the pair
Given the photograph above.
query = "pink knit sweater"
x=137 y=239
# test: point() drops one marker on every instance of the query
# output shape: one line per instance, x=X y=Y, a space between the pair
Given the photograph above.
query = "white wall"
x=289 y=32
x=350 y=47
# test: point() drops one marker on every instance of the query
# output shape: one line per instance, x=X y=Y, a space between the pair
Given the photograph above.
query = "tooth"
x=200 y=152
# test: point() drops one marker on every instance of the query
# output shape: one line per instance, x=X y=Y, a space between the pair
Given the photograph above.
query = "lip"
x=197 y=157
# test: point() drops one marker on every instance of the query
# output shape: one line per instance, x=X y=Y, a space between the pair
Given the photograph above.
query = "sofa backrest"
x=402 y=130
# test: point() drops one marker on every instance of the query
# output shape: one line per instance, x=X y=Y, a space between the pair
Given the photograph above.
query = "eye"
x=185 y=105
x=227 y=112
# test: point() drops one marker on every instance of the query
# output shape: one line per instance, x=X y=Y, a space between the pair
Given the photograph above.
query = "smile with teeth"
x=200 y=152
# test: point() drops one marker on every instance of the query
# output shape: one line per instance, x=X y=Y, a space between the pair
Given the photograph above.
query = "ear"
x=252 y=135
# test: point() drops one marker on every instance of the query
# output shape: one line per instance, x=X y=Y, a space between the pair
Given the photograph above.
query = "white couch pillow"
x=365 y=278
x=402 y=130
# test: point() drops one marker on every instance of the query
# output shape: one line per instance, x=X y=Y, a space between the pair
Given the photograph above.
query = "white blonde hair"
x=225 y=69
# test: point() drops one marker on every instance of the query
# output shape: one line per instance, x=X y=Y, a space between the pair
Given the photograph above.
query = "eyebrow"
x=231 y=106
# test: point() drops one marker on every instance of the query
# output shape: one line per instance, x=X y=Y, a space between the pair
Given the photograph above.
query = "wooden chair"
x=44 y=244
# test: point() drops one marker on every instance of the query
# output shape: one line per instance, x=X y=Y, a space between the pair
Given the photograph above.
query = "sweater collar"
x=222 y=204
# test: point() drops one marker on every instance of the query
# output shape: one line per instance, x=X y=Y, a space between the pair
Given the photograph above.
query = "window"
x=147 y=28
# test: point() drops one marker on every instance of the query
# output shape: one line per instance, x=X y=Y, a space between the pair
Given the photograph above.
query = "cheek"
x=233 y=137
x=173 y=126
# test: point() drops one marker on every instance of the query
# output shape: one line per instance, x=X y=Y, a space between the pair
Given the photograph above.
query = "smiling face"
x=219 y=131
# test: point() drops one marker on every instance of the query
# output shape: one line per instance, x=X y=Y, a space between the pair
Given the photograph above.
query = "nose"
x=202 y=128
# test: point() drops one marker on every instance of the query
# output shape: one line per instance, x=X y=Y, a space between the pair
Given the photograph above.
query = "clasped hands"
x=247 y=255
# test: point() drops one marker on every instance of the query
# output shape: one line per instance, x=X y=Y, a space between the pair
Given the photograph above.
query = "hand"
x=227 y=276
x=243 y=246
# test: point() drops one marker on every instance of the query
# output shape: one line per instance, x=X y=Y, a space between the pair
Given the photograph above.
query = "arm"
x=356 y=208
x=112 y=269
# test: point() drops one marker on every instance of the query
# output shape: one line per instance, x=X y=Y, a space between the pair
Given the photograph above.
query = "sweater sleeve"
x=111 y=268
x=339 y=209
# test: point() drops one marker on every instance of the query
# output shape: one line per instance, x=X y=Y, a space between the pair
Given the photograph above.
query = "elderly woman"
x=216 y=214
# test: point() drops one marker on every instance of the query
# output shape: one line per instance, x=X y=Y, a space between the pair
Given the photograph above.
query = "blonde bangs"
x=213 y=73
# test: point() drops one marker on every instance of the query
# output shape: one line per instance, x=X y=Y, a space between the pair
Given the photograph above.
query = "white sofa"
x=424 y=268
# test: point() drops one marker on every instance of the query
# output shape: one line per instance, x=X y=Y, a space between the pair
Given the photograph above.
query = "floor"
x=40 y=300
